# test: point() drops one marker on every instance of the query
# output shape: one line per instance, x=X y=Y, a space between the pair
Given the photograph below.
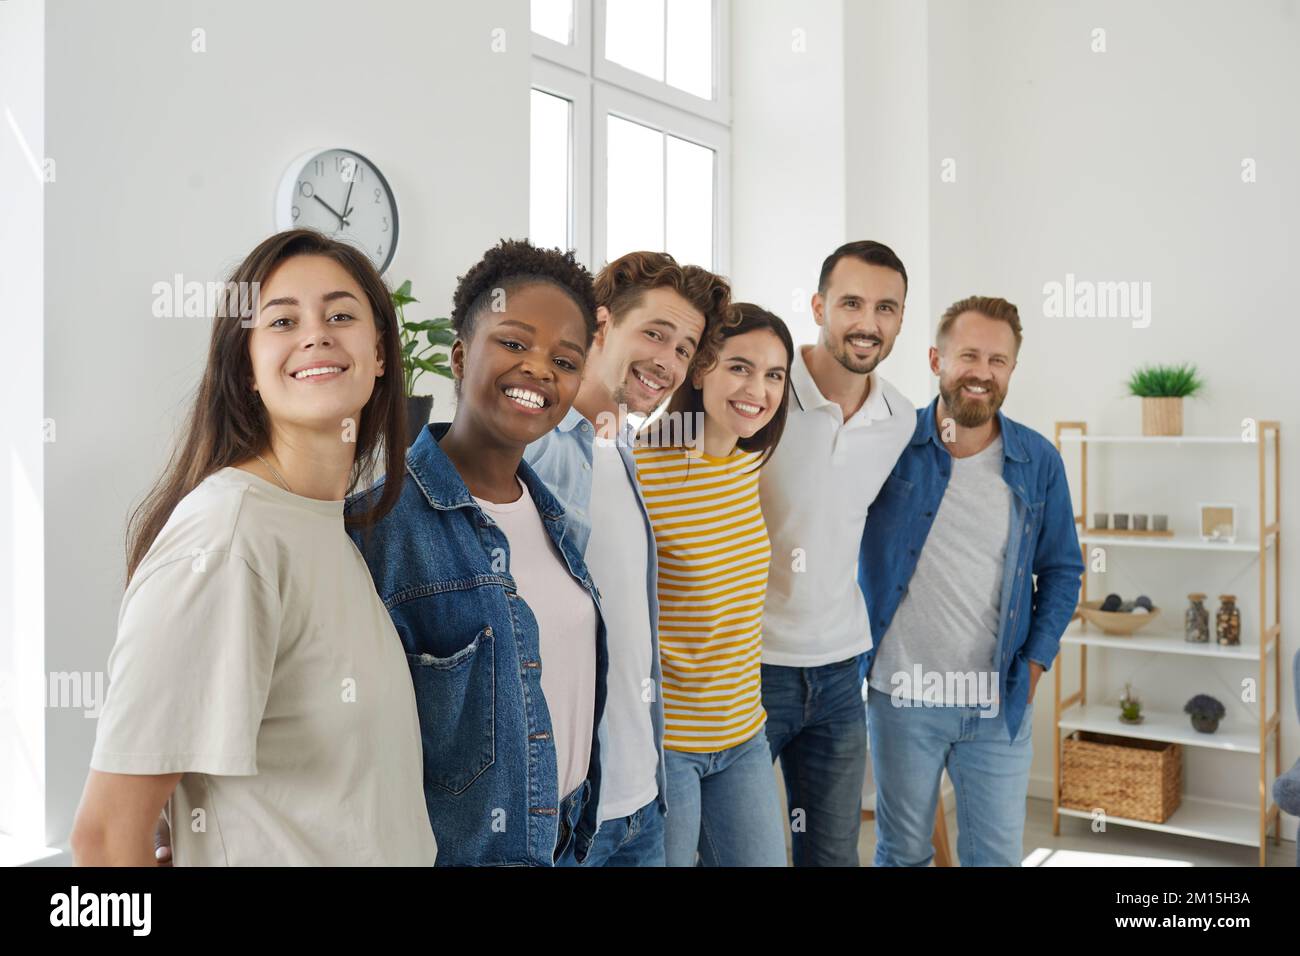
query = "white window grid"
x=598 y=88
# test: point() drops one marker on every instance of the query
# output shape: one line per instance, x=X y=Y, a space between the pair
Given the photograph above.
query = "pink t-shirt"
x=566 y=620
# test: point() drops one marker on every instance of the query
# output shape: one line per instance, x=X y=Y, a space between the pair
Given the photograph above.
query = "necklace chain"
x=276 y=473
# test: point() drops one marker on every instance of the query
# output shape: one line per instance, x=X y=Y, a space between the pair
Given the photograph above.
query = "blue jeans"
x=817 y=726
x=634 y=840
x=725 y=806
x=911 y=746
x=570 y=812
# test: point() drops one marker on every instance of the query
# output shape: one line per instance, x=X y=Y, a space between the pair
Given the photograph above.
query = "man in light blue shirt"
x=651 y=319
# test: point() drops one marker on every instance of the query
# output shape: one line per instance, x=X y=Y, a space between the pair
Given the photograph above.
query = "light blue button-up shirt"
x=563 y=460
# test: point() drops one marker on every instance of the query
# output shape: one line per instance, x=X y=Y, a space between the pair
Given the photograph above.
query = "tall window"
x=631 y=130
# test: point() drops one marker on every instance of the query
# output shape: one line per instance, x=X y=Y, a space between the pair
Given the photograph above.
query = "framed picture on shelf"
x=1218 y=522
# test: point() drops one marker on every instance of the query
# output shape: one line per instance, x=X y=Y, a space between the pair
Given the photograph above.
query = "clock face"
x=342 y=194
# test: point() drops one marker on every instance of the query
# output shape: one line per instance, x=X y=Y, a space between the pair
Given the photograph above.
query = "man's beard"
x=971 y=412
x=620 y=396
x=854 y=364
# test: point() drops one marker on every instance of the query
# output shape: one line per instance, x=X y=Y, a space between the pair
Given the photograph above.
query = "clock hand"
x=328 y=206
x=348 y=197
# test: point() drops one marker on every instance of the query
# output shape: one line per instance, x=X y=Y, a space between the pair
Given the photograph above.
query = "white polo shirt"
x=816 y=489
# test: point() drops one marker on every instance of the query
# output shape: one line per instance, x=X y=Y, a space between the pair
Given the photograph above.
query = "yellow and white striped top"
x=713 y=560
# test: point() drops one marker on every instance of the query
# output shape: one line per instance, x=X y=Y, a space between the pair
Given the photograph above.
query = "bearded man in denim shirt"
x=970 y=566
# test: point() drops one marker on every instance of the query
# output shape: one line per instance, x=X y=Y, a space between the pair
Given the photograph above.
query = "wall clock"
x=344 y=195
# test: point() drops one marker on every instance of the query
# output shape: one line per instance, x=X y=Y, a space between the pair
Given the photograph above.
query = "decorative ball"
x=1142 y=601
x=1141 y=609
x=1126 y=607
x=1112 y=602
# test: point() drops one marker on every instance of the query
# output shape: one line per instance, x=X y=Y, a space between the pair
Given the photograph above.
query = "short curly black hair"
x=511 y=264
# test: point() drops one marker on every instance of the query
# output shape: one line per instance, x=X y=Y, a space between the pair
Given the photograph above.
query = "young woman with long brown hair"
x=258 y=691
x=714 y=555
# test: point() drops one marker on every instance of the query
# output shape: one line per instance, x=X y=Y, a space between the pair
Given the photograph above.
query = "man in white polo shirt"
x=846 y=428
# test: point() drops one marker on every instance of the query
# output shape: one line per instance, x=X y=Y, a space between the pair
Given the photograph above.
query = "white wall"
x=168 y=162
x=886 y=117
x=787 y=146
x=1126 y=165
x=829 y=145
x=1116 y=165
x=22 y=247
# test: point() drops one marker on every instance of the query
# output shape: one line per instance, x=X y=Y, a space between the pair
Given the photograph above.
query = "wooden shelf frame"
x=1268 y=544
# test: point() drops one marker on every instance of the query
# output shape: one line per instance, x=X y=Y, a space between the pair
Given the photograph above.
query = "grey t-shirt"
x=949 y=618
x=254 y=657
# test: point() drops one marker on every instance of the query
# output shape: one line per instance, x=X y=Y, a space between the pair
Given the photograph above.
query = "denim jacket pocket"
x=456 y=700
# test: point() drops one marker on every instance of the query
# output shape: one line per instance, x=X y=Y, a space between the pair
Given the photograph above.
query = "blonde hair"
x=991 y=307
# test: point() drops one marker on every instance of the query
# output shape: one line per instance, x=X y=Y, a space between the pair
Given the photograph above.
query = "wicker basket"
x=1125 y=777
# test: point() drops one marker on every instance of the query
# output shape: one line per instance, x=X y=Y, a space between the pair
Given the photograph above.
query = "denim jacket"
x=563 y=459
x=1043 y=544
x=490 y=774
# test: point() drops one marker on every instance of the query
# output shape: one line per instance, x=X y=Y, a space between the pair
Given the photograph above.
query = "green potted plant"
x=1206 y=713
x=1130 y=707
x=419 y=355
x=1162 y=389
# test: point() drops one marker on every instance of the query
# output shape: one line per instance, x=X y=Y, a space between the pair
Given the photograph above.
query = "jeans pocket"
x=455 y=697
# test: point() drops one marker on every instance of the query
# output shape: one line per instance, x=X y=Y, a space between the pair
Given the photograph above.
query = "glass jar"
x=1227 y=623
x=1196 y=626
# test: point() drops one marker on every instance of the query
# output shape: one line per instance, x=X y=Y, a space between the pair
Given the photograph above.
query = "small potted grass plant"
x=425 y=346
x=1130 y=707
x=1162 y=389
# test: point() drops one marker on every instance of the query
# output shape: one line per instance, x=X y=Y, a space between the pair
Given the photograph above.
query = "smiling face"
x=521 y=368
x=315 y=349
x=974 y=367
x=644 y=357
x=860 y=313
x=743 y=390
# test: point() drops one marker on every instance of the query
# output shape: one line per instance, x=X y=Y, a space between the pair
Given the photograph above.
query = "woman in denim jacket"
x=498 y=615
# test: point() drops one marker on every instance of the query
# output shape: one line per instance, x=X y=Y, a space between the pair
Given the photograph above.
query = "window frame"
x=596 y=87
x=576 y=55
x=717 y=109
x=547 y=77
x=665 y=119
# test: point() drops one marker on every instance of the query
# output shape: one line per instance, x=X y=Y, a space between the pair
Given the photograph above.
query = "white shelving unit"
x=1242 y=824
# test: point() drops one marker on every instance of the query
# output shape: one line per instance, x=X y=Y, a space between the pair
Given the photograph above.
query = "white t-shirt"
x=816 y=489
x=947 y=623
x=617 y=557
x=254 y=656
x=566 y=623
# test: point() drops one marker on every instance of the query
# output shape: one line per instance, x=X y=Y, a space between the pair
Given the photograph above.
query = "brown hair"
x=865 y=250
x=990 y=307
x=228 y=423
x=689 y=400
x=622 y=284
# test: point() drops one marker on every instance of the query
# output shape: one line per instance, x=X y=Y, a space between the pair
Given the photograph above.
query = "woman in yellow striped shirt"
x=713 y=559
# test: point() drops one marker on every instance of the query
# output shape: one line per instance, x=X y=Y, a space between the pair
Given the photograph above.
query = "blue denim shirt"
x=1043 y=544
x=472 y=643
x=563 y=459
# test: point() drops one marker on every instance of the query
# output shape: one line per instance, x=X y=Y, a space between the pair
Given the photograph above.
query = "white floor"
x=1118 y=846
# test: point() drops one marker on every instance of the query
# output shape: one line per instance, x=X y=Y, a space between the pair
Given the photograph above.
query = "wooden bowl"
x=1119 y=623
